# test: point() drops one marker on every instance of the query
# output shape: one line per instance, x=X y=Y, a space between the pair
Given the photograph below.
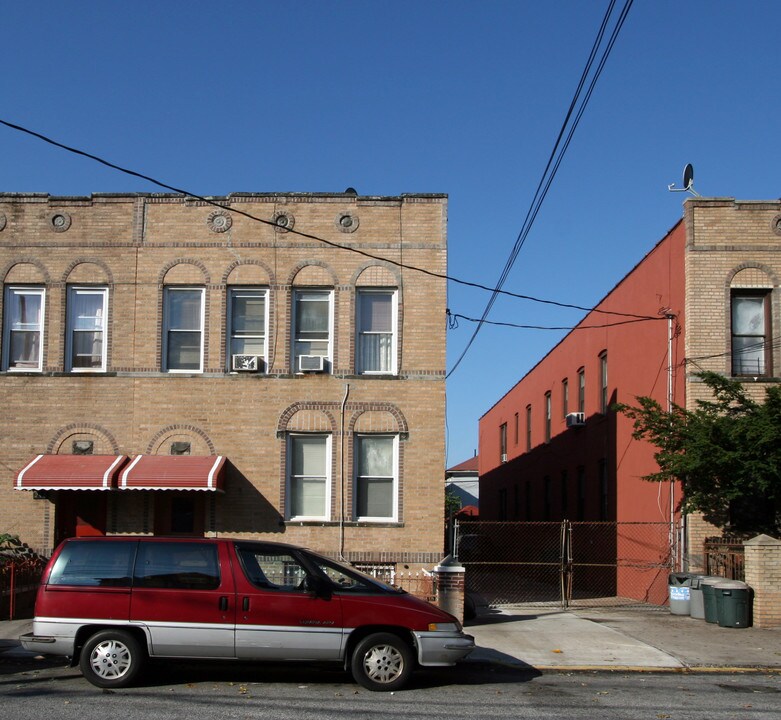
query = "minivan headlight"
x=444 y=627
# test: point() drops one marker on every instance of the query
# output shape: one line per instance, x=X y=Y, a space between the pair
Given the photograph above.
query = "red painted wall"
x=636 y=365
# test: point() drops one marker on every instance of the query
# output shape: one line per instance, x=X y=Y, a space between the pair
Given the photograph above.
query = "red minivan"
x=110 y=603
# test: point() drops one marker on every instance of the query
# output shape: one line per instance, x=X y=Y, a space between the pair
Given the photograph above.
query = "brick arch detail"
x=771 y=275
x=309 y=263
x=359 y=409
x=92 y=261
x=81 y=428
x=160 y=434
x=392 y=269
x=258 y=263
x=183 y=261
x=327 y=410
x=28 y=261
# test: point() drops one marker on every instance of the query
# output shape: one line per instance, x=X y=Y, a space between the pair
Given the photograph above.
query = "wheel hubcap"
x=110 y=659
x=383 y=663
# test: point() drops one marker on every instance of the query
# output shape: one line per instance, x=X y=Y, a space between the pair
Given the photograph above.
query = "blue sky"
x=463 y=98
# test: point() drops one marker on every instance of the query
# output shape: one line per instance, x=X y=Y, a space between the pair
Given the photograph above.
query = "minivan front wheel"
x=382 y=661
x=111 y=659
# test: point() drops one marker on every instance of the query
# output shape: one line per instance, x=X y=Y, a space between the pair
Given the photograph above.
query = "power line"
x=539 y=196
x=300 y=233
x=454 y=317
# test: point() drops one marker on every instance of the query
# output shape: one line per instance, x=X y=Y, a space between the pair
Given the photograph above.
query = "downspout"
x=341 y=471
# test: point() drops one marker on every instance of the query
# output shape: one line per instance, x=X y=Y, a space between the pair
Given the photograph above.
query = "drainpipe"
x=341 y=471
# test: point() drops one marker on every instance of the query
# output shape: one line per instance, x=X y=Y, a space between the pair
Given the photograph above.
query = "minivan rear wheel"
x=382 y=661
x=111 y=659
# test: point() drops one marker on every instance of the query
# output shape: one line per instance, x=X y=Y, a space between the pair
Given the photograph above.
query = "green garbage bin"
x=709 y=598
x=679 y=585
x=733 y=603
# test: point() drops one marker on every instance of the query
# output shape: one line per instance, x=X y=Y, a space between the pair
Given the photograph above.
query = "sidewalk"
x=636 y=638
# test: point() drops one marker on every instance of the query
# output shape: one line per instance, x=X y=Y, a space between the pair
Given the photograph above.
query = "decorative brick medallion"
x=60 y=221
x=347 y=222
x=283 y=221
x=219 y=221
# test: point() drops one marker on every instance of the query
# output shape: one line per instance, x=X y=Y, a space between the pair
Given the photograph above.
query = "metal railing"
x=19 y=580
x=724 y=557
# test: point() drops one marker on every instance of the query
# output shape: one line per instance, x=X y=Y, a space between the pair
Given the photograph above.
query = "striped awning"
x=174 y=472
x=70 y=472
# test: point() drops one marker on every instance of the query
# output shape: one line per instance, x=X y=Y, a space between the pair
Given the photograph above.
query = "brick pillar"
x=449 y=576
x=763 y=574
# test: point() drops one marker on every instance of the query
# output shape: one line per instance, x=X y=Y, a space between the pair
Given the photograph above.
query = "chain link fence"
x=566 y=563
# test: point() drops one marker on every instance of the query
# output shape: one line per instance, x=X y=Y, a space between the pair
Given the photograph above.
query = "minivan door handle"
x=245 y=604
x=224 y=602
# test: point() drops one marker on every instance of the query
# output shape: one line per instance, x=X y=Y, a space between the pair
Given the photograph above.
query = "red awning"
x=174 y=472
x=70 y=472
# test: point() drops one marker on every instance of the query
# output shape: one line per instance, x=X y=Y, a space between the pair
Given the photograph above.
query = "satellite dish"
x=688 y=176
x=688 y=182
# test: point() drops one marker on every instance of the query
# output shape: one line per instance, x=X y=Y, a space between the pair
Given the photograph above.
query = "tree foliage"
x=726 y=453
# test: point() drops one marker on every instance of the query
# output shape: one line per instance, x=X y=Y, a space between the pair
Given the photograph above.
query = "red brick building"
x=552 y=449
x=196 y=368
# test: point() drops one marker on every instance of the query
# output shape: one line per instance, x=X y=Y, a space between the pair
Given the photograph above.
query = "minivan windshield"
x=349 y=578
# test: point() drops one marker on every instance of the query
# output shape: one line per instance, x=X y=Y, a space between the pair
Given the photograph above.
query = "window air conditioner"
x=311 y=363
x=245 y=363
x=504 y=457
x=577 y=419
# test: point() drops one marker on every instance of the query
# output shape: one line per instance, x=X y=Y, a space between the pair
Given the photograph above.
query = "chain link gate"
x=566 y=563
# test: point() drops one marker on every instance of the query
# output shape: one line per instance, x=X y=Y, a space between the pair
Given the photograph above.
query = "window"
x=177 y=565
x=247 y=308
x=581 y=493
x=603 y=490
x=376 y=326
x=180 y=447
x=547 y=415
x=183 y=322
x=312 y=325
x=309 y=478
x=564 y=495
x=503 y=442
x=546 y=507
x=516 y=429
x=528 y=427
x=582 y=390
x=82 y=447
x=564 y=397
x=750 y=330
x=375 y=481
x=603 y=394
x=94 y=564
x=86 y=340
x=23 y=329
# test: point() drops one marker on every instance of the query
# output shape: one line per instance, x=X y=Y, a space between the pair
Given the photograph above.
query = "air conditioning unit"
x=245 y=363
x=311 y=363
x=577 y=419
x=504 y=457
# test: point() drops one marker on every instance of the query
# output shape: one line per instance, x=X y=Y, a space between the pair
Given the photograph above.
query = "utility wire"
x=457 y=316
x=300 y=233
x=539 y=195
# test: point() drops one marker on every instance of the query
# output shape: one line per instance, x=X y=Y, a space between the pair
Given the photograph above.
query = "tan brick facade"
x=137 y=246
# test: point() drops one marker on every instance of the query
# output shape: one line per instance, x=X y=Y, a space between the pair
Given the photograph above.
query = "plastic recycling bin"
x=733 y=603
x=709 y=598
x=680 y=592
x=697 y=602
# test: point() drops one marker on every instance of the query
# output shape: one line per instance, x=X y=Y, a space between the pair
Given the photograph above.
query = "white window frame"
x=22 y=290
x=167 y=329
x=259 y=290
x=326 y=516
x=359 y=332
x=393 y=517
x=74 y=290
x=297 y=293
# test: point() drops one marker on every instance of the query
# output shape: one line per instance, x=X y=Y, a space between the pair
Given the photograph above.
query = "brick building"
x=174 y=366
x=552 y=449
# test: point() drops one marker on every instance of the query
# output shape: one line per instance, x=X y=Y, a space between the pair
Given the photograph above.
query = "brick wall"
x=136 y=245
x=763 y=574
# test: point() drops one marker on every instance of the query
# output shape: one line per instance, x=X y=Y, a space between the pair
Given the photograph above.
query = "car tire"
x=382 y=662
x=111 y=659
